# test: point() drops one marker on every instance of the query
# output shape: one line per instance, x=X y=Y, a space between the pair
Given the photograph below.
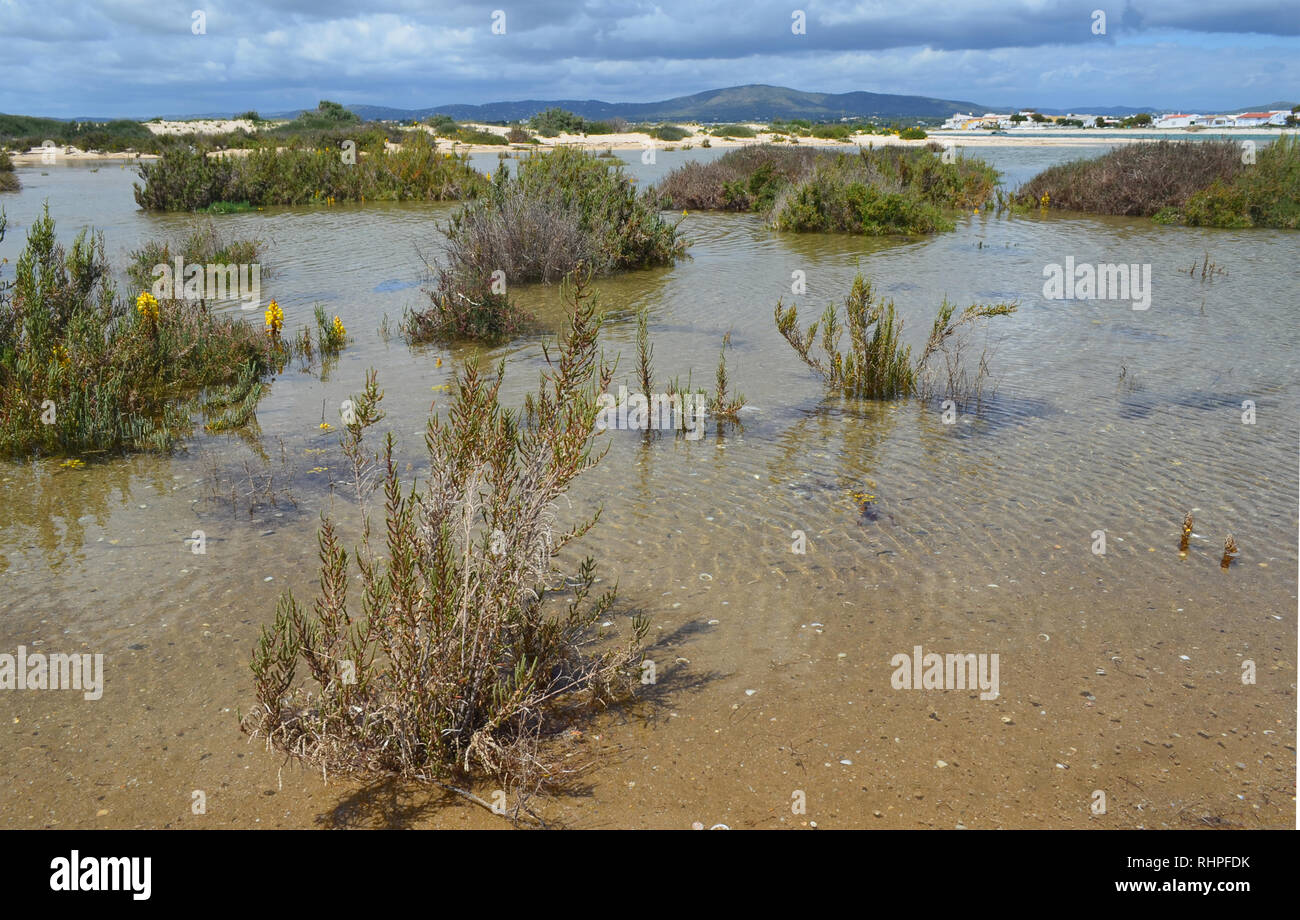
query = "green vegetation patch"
x=884 y=190
x=83 y=371
x=1212 y=183
x=562 y=209
x=184 y=180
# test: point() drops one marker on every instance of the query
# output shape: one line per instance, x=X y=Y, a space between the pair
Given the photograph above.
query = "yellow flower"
x=72 y=464
x=337 y=331
x=325 y=426
x=61 y=355
x=438 y=363
x=147 y=305
x=274 y=318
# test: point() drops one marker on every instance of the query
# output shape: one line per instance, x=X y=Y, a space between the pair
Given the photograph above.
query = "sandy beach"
x=634 y=140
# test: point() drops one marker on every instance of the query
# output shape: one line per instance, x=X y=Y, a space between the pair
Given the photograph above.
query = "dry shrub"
x=455 y=665
x=1136 y=180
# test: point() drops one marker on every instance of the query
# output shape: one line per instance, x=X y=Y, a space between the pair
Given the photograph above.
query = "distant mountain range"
x=754 y=102
x=736 y=103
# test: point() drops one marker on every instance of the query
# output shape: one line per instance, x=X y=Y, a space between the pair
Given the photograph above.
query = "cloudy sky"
x=140 y=58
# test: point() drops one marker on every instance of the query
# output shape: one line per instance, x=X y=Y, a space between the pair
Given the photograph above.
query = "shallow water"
x=1104 y=418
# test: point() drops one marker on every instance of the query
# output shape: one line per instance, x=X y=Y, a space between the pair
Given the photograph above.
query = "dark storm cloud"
x=141 y=58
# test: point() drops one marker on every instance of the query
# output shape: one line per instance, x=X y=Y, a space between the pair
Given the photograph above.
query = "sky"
x=130 y=58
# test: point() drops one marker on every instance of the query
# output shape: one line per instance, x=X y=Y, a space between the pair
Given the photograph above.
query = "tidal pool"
x=1120 y=672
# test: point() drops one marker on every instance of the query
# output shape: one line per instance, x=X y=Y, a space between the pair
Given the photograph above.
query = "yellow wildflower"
x=274 y=318
x=147 y=305
x=337 y=331
x=72 y=464
x=325 y=426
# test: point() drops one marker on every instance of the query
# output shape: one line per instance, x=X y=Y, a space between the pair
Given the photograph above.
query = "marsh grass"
x=877 y=364
x=82 y=371
x=203 y=244
x=456 y=663
x=192 y=180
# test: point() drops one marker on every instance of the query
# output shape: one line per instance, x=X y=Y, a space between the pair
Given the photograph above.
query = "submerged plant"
x=1229 y=552
x=457 y=662
x=724 y=405
x=1188 y=524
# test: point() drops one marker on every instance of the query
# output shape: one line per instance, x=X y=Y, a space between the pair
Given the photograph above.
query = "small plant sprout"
x=1229 y=552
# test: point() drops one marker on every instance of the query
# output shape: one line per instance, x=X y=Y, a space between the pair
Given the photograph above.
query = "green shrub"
x=182 y=180
x=555 y=121
x=1135 y=180
x=732 y=131
x=562 y=208
x=887 y=190
x=669 y=133
x=718 y=185
x=82 y=371
x=913 y=134
x=475 y=136
x=442 y=125
x=834 y=200
x=1265 y=193
x=325 y=116
x=8 y=180
x=832 y=132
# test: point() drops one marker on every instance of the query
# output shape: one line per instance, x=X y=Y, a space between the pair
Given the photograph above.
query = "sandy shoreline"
x=631 y=140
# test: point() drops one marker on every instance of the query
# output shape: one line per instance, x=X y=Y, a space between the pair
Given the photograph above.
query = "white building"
x=1257 y=119
x=1177 y=121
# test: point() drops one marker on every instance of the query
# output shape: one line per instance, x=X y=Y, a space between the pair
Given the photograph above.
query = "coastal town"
x=1028 y=119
